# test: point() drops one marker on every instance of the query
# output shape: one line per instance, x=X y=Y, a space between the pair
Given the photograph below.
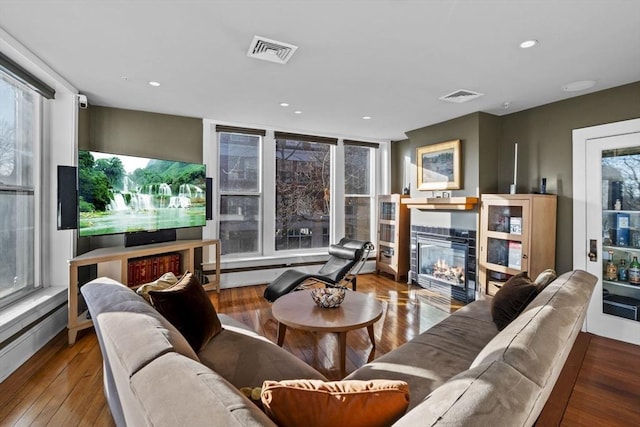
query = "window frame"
x=332 y=145
x=372 y=195
x=380 y=177
x=35 y=189
x=258 y=193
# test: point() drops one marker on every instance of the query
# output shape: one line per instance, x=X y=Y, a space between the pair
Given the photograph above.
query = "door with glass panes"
x=612 y=181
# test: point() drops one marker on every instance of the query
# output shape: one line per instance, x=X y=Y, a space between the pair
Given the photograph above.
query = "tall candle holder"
x=512 y=187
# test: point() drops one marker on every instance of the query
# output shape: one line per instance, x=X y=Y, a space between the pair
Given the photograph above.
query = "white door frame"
x=581 y=138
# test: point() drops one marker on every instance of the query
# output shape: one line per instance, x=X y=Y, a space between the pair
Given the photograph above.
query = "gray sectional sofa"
x=460 y=372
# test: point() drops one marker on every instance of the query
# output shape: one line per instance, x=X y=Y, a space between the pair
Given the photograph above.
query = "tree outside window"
x=17 y=192
x=303 y=194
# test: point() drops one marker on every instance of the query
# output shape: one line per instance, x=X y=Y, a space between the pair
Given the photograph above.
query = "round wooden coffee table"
x=298 y=311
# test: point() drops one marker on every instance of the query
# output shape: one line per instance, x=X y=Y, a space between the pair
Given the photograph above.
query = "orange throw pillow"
x=353 y=403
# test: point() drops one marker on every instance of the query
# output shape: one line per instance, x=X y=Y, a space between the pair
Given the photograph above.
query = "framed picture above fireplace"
x=439 y=166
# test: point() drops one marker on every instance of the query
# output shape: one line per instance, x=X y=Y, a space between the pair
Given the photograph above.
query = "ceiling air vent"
x=460 y=96
x=270 y=50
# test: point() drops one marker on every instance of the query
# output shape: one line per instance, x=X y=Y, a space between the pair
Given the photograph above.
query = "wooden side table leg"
x=72 y=334
x=372 y=337
x=282 y=330
x=342 y=348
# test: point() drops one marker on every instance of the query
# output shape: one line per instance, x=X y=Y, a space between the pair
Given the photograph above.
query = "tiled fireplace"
x=443 y=260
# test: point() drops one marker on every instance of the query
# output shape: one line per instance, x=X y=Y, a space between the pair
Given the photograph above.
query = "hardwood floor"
x=62 y=385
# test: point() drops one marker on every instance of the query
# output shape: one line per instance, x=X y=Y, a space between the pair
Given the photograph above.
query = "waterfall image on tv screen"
x=118 y=194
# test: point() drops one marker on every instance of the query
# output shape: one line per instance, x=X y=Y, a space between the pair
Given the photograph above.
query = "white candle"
x=515 y=166
x=407 y=171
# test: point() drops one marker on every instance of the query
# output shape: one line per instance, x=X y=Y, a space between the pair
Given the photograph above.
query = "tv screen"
x=119 y=194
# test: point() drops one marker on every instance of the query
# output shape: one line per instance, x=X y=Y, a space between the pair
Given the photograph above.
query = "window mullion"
x=338 y=194
x=269 y=192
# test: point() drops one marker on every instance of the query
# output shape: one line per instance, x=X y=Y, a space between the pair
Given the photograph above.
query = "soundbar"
x=139 y=238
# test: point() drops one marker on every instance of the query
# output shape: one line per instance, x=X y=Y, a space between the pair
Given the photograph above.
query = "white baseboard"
x=14 y=354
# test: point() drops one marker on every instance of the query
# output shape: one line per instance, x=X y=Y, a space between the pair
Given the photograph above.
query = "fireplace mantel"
x=441 y=203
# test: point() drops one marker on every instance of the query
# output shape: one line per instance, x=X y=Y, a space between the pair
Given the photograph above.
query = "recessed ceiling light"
x=284 y=104
x=528 y=43
x=154 y=84
x=366 y=118
x=579 y=85
x=297 y=112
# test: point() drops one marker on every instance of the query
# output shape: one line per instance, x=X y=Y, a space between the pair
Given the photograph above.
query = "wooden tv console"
x=113 y=261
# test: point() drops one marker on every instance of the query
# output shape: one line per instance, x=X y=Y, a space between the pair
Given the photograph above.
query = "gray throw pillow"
x=544 y=278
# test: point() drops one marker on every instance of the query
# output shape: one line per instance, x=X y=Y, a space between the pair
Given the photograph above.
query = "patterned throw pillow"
x=353 y=403
x=165 y=281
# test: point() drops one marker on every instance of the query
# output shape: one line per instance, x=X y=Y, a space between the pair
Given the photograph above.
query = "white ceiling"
x=390 y=59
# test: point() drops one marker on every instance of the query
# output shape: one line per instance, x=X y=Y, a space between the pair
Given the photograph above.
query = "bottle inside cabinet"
x=634 y=272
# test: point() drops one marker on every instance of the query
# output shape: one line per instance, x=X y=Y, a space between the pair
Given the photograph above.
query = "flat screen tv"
x=123 y=194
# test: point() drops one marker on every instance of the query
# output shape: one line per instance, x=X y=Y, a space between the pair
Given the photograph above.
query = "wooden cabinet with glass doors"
x=517 y=233
x=393 y=236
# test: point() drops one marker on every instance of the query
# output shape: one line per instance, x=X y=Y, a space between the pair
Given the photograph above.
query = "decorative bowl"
x=328 y=297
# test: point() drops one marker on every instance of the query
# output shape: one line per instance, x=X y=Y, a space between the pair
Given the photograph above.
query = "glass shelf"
x=621 y=248
x=623 y=284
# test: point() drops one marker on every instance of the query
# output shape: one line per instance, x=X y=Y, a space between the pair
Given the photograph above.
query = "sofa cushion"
x=246 y=359
x=492 y=394
x=431 y=358
x=542 y=336
x=138 y=331
x=176 y=391
x=511 y=299
x=316 y=403
x=188 y=307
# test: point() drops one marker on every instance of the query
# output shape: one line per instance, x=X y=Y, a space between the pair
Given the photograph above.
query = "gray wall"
x=544 y=136
x=478 y=133
x=139 y=133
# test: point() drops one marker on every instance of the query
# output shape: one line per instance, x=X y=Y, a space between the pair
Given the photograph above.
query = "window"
x=282 y=195
x=240 y=193
x=19 y=169
x=303 y=193
x=358 y=190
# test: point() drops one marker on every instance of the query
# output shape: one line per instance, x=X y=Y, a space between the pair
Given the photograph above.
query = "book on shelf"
x=515 y=255
x=515 y=225
x=148 y=269
x=622 y=229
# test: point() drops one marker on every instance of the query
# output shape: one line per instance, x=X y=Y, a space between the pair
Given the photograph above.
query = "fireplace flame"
x=442 y=270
